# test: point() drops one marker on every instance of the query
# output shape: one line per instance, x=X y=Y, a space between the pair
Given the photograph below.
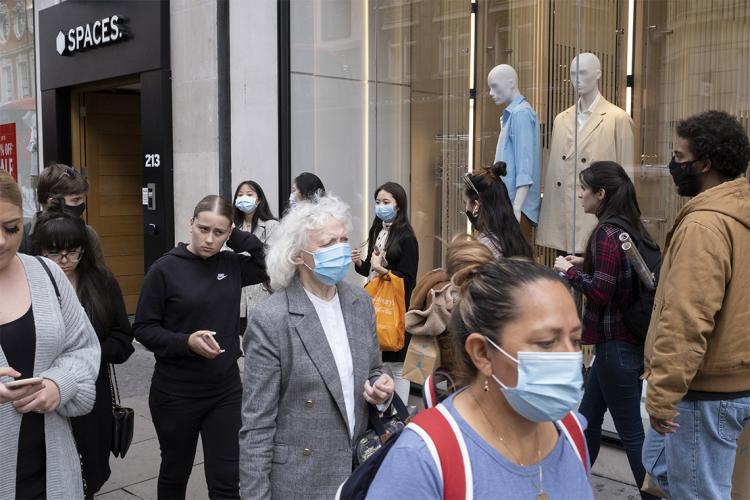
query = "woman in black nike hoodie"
x=188 y=316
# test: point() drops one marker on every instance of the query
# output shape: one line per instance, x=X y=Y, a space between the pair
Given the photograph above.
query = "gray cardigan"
x=294 y=440
x=68 y=353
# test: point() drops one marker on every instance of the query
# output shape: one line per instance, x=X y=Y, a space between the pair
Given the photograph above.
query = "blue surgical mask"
x=246 y=203
x=549 y=384
x=292 y=201
x=331 y=263
x=384 y=212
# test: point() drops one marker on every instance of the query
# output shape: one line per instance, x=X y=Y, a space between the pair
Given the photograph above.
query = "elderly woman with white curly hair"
x=312 y=361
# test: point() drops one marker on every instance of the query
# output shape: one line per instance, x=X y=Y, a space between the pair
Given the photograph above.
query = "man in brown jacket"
x=697 y=355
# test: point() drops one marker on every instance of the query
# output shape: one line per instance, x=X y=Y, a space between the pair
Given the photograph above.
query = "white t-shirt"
x=332 y=319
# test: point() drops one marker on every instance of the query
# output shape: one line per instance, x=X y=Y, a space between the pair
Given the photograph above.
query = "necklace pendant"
x=542 y=496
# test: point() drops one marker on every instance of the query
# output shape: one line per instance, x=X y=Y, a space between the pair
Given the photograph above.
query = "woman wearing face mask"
x=43 y=334
x=518 y=330
x=312 y=362
x=490 y=211
x=392 y=247
x=188 y=315
x=64 y=239
x=253 y=215
x=607 y=279
x=306 y=187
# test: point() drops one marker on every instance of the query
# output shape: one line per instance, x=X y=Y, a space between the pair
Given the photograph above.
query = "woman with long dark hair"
x=490 y=211
x=64 y=239
x=253 y=215
x=306 y=187
x=391 y=247
x=188 y=316
x=604 y=275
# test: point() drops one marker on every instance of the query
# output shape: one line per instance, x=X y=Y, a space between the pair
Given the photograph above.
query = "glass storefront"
x=18 y=120
x=397 y=90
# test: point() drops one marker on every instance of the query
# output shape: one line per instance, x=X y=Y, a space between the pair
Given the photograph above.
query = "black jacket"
x=93 y=432
x=183 y=293
x=404 y=267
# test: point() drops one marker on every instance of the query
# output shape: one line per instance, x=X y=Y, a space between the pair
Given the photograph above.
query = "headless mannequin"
x=503 y=83
x=593 y=129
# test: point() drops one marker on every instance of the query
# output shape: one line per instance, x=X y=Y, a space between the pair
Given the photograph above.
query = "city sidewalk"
x=134 y=477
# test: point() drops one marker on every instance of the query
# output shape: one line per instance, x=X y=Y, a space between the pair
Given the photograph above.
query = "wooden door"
x=112 y=151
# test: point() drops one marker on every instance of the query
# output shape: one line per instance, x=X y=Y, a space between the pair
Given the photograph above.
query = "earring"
x=486 y=385
x=475 y=213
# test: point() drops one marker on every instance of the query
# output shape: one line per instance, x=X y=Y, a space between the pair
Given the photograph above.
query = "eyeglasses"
x=57 y=257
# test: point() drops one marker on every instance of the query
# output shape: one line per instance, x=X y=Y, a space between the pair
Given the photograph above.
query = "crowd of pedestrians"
x=516 y=422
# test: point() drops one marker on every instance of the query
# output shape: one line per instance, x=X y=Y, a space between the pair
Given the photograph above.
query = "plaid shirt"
x=607 y=290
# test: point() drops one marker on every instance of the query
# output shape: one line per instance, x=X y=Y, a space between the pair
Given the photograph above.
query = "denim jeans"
x=697 y=461
x=614 y=383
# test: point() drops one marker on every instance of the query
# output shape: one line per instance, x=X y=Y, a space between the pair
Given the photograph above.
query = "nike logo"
x=221 y=276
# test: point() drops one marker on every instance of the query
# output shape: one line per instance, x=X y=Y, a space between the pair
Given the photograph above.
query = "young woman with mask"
x=312 y=362
x=66 y=185
x=392 y=247
x=490 y=212
x=607 y=279
x=44 y=333
x=518 y=332
x=253 y=215
x=63 y=239
x=306 y=187
x=188 y=315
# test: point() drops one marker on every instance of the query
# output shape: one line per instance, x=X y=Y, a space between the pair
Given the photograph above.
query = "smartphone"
x=24 y=381
x=212 y=340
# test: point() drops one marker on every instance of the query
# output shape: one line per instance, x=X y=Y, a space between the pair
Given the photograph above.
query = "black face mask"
x=75 y=210
x=686 y=177
x=472 y=218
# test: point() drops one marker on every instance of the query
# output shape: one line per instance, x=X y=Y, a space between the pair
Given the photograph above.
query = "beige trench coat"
x=607 y=135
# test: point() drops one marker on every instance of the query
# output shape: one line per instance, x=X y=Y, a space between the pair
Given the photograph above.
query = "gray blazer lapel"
x=314 y=339
x=357 y=329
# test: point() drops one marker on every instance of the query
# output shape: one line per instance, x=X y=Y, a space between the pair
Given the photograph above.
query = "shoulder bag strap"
x=571 y=427
x=440 y=432
x=51 y=278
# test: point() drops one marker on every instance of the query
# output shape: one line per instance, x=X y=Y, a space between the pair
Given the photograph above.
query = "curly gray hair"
x=290 y=237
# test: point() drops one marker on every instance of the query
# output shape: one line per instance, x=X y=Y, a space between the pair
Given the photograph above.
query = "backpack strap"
x=573 y=431
x=440 y=432
x=429 y=392
x=51 y=278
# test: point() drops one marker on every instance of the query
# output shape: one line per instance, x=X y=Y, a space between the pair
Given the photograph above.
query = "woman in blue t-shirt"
x=517 y=329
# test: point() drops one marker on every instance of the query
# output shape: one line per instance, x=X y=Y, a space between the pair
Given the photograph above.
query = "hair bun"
x=56 y=204
x=499 y=169
x=464 y=256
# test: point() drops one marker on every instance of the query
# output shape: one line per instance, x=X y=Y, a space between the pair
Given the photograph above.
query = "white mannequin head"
x=503 y=83
x=588 y=69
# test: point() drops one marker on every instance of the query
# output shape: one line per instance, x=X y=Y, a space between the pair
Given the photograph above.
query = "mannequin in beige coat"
x=605 y=132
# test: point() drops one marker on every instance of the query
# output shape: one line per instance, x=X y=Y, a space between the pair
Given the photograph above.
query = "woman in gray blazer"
x=44 y=333
x=312 y=362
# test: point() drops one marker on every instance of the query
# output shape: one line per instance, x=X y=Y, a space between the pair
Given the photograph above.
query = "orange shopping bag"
x=388 y=297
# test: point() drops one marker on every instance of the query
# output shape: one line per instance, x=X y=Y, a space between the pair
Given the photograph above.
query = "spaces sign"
x=90 y=35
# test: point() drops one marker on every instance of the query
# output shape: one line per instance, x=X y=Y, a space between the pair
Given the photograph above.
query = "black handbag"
x=123 y=419
x=381 y=429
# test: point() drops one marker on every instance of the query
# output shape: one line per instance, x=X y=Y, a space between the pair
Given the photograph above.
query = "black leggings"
x=179 y=421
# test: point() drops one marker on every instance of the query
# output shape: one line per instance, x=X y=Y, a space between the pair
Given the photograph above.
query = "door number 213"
x=153 y=160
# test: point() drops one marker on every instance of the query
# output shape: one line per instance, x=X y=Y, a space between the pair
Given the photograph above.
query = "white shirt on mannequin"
x=584 y=115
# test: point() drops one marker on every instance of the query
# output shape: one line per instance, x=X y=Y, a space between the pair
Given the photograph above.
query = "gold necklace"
x=541 y=495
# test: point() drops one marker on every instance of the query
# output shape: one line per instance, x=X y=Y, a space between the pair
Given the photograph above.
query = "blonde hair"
x=9 y=190
x=290 y=237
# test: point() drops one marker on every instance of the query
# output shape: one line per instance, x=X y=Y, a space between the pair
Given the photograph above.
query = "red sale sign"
x=8 y=156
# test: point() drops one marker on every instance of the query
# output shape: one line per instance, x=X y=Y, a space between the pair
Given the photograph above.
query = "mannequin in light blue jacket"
x=518 y=145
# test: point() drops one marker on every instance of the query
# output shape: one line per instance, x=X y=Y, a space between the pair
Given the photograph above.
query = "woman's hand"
x=45 y=401
x=357 y=256
x=203 y=344
x=562 y=264
x=575 y=260
x=376 y=263
x=8 y=395
x=381 y=391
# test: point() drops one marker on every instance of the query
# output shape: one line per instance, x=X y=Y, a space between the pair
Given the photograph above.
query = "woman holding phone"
x=188 y=315
x=44 y=336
